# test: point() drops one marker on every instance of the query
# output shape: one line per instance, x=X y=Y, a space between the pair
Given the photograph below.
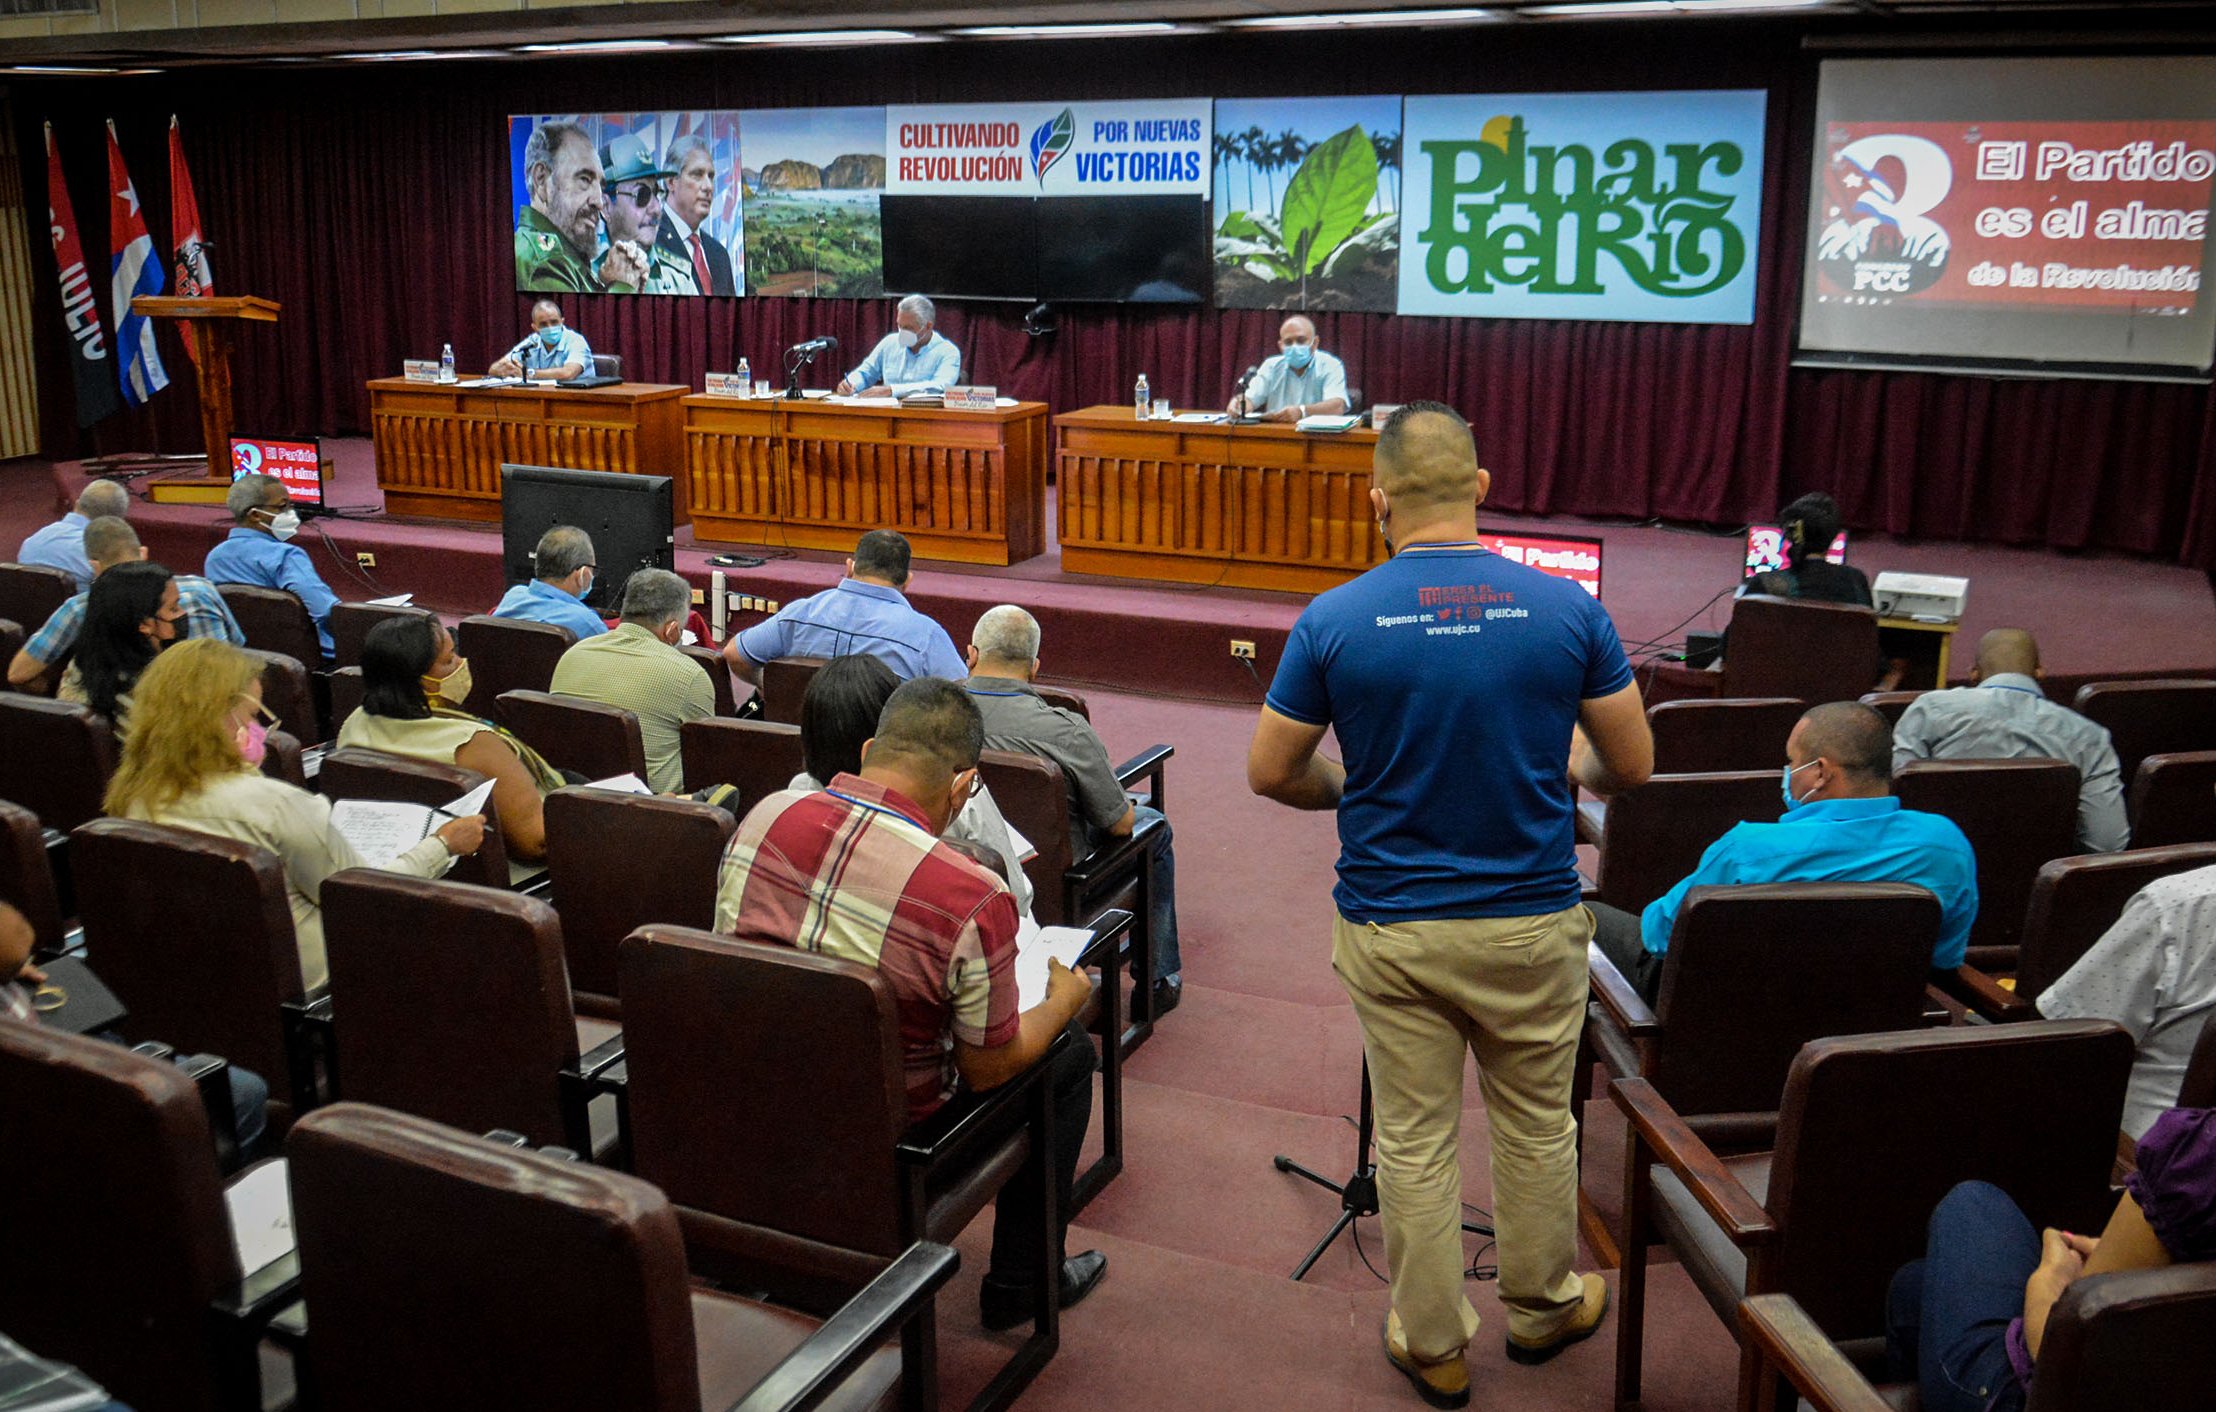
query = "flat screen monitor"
x=1766 y=549
x=1564 y=556
x=628 y=518
x=297 y=461
x=1125 y=249
x=961 y=247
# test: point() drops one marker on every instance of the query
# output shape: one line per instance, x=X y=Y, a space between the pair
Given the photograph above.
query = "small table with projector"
x=1918 y=616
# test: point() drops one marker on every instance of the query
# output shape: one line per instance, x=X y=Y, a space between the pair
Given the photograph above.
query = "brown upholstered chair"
x=509 y=654
x=2173 y=799
x=2075 y=900
x=27 y=877
x=2151 y=717
x=2199 y=1087
x=719 y=676
x=12 y=637
x=757 y=758
x=350 y=624
x=2125 y=1339
x=767 y=1098
x=1701 y=737
x=194 y=935
x=2018 y=815
x=1651 y=837
x=274 y=621
x=618 y=862
x=445 y=1270
x=57 y=760
x=1872 y=1132
x=1892 y=705
x=346 y=696
x=288 y=690
x=30 y=593
x=283 y=758
x=352 y=772
x=1067 y=700
x=1797 y=647
x=596 y=740
x=121 y=1260
x=784 y=683
x=451 y=1001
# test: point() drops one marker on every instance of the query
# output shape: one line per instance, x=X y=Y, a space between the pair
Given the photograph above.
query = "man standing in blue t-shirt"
x=1470 y=696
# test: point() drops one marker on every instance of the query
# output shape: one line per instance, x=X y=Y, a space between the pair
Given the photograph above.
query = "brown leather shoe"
x=1579 y=1327
x=1442 y=1384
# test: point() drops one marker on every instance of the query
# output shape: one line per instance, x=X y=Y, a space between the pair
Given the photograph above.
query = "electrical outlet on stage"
x=1242 y=649
x=366 y=559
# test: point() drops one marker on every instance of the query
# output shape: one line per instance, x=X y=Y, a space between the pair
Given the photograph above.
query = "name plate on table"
x=1381 y=413
x=729 y=385
x=972 y=399
x=420 y=369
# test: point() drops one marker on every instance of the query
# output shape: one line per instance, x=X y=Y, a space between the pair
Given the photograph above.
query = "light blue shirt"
x=61 y=545
x=2008 y=717
x=931 y=367
x=857 y=617
x=1276 y=386
x=572 y=349
x=265 y=561
x=538 y=601
x=1840 y=840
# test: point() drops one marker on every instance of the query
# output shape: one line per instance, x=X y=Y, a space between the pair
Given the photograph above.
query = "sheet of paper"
x=1004 y=401
x=1199 y=417
x=1035 y=946
x=1026 y=850
x=398 y=600
x=261 y=1215
x=490 y=382
x=621 y=784
x=470 y=803
x=1326 y=423
x=690 y=638
x=380 y=829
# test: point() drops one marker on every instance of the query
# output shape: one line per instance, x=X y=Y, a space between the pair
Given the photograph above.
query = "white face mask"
x=285 y=525
x=908 y=338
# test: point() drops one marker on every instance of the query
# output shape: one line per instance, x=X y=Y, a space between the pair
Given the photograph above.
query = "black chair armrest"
x=1742 y=1219
x=814 y=1371
x=1983 y=995
x=1110 y=930
x=947 y=1135
x=1625 y=1008
x=1785 y=1338
x=212 y=1076
x=1114 y=856
x=601 y=1071
x=1147 y=765
x=311 y=1043
x=247 y=1307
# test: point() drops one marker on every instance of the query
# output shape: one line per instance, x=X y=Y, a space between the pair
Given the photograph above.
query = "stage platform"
x=2094 y=614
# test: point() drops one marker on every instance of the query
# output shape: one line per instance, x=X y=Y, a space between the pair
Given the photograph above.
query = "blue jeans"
x=1947 y=1315
x=1162 y=913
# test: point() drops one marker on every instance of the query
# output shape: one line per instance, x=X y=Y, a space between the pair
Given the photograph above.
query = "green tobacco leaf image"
x=1328 y=198
x=1238 y=225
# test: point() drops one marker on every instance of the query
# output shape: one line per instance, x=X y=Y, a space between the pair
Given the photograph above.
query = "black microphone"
x=822 y=343
x=1246 y=379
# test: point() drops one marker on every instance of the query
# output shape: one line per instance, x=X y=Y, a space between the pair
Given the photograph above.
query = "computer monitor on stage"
x=297 y=461
x=628 y=517
x=1766 y=549
x=1564 y=556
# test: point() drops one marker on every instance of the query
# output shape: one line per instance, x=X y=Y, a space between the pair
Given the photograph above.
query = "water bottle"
x=446 y=364
x=746 y=380
x=1142 y=399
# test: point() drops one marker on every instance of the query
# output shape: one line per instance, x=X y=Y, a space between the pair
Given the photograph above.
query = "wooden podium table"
x=440 y=445
x=207 y=320
x=964 y=486
x=1260 y=506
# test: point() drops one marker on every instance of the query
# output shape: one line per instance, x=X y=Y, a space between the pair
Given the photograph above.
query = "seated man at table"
x=61 y=545
x=912 y=358
x=858 y=871
x=865 y=612
x=638 y=668
x=562 y=567
x=111 y=541
x=1301 y=380
x=553 y=352
x=1841 y=824
x=2004 y=715
x=255 y=552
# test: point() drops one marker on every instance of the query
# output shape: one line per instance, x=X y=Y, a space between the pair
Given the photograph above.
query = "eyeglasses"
x=269 y=718
x=641 y=194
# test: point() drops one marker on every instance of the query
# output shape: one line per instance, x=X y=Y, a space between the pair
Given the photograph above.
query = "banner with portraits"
x=627 y=203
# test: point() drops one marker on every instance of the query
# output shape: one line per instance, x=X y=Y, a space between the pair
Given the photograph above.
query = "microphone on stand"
x=1246 y=380
x=823 y=343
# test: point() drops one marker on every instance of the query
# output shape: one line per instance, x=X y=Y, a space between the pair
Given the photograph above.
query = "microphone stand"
x=795 y=360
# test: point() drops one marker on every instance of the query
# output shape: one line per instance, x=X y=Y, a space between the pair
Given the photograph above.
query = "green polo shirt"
x=632 y=668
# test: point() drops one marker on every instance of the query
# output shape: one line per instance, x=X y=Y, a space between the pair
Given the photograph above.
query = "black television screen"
x=961 y=247
x=1124 y=249
x=628 y=517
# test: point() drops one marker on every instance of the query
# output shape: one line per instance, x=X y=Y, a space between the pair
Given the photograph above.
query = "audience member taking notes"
x=865 y=612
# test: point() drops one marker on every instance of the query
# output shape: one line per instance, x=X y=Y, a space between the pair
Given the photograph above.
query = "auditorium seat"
x=719 y=676
x=350 y=624
x=1652 y=837
x=607 y=365
x=784 y=683
x=444 y=1270
x=119 y=1256
x=2173 y=799
x=346 y=696
x=2075 y=900
x=508 y=654
x=617 y=862
x=1736 y=733
x=194 y=935
x=1892 y=705
x=12 y=638
x=1810 y=651
x=451 y=1002
x=1872 y=1132
x=352 y=772
x=57 y=760
x=765 y=1094
x=571 y=733
x=1067 y=700
x=757 y=758
x=30 y=593
x=283 y=758
x=27 y=878
x=288 y=691
x=2151 y=717
x=2017 y=814
x=2199 y=1087
x=274 y=621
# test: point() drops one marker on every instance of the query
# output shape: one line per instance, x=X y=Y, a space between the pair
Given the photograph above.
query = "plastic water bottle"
x=1142 y=398
x=446 y=364
x=746 y=379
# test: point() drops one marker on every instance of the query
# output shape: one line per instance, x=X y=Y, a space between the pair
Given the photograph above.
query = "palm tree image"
x=1387 y=147
x=1286 y=150
x=1225 y=150
x=1254 y=149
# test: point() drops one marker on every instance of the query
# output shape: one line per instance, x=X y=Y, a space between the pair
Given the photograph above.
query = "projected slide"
x=2017 y=213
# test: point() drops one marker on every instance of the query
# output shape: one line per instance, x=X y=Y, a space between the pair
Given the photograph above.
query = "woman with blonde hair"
x=192 y=756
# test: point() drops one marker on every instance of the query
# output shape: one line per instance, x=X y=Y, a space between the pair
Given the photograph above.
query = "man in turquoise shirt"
x=1841 y=824
x=564 y=565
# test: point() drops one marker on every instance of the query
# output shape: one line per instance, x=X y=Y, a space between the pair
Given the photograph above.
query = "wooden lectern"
x=209 y=321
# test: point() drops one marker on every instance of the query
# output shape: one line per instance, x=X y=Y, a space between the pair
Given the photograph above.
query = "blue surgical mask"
x=551 y=335
x=1785 y=785
x=1299 y=355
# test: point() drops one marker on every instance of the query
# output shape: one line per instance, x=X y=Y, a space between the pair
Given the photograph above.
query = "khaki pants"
x=1513 y=990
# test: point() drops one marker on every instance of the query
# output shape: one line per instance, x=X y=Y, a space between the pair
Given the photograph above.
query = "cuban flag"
x=133 y=270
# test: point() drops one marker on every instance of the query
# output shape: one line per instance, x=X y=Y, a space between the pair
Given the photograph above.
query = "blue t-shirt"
x=1452 y=678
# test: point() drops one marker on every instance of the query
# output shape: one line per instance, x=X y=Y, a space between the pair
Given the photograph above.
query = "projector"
x=1926 y=598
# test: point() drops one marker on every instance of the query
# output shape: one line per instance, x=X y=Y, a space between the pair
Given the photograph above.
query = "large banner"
x=1307 y=203
x=813 y=177
x=627 y=203
x=1144 y=148
x=1622 y=206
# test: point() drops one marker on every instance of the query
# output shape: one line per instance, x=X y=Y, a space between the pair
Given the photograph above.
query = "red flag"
x=188 y=250
x=97 y=395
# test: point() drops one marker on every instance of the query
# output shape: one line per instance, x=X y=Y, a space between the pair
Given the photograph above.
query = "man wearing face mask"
x=256 y=551
x=1301 y=381
x=912 y=358
x=551 y=352
x=1841 y=824
x=563 y=569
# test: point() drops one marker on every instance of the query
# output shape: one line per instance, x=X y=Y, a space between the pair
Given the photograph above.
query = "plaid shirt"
x=854 y=871
x=206 y=615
